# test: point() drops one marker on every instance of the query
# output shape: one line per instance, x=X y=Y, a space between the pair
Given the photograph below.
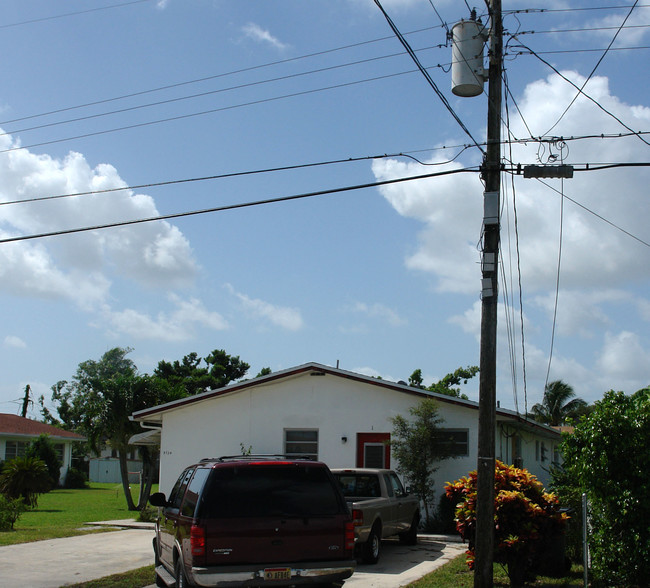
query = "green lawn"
x=62 y=513
x=456 y=574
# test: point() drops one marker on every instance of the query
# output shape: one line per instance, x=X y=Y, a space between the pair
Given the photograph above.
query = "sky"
x=120 y=111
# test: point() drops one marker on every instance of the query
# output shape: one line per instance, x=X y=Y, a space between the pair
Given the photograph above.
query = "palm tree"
x=558 y=404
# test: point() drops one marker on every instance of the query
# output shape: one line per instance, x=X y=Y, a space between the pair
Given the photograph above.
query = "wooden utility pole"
x=491 y=172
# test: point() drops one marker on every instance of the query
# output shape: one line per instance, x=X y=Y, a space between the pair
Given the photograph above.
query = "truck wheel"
x=372 y=547
x=411 y=536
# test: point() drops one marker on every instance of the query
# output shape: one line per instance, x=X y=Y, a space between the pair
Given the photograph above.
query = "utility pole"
x=491 y=172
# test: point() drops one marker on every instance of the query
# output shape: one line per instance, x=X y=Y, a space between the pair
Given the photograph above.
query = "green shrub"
x=25 y=478
x=42 y=448
x=75 y=479
x=10 y=511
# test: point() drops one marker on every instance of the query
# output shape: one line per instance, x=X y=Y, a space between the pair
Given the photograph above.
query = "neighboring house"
x=16 y=433
x=340 y=417
x=105 y=469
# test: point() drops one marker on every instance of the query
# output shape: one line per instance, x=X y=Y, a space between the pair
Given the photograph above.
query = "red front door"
x=373 y=450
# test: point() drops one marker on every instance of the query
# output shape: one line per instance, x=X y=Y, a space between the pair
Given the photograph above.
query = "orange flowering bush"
x=526 y=518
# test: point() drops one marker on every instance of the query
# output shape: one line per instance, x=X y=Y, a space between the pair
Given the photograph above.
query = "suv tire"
x=181 y=578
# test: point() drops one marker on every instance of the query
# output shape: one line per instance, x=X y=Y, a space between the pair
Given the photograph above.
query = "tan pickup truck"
x=380 y=507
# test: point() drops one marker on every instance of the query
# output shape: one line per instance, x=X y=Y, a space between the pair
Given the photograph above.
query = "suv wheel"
x=181 y=578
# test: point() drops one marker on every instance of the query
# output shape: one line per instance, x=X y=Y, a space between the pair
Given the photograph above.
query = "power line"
x=67 y=14
x=231 y=175
x=236 y=206
x=602 y=218
x=590 y=8
x=211 y=92
x=211 y=111
x=212 y=77
x=425 y=73
x=581 y=91
x=593 y=71
x=582 y=30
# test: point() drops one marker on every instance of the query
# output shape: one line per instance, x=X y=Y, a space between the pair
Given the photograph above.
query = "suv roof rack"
x=257 y=457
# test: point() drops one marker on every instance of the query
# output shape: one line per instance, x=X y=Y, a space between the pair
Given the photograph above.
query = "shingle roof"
x=11 y=424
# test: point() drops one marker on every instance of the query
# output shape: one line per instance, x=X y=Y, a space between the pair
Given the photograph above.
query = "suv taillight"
x=357 y=517
x=349 y=535
x=197 y=541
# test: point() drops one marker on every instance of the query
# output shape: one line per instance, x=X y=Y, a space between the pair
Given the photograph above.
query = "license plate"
x=277 y=574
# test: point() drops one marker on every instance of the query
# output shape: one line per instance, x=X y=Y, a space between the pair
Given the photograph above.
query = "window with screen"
x=301 y=443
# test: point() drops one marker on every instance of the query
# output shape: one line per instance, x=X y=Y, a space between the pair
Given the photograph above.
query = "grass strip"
x=133 y=579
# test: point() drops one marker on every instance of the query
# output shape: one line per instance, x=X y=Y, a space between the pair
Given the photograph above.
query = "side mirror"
x=158 y=499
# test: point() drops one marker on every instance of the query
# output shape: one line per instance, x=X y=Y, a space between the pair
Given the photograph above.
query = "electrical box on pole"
x=467 y=72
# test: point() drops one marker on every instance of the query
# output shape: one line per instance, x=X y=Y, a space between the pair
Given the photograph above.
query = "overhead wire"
x=557 y=285
x=593 y=71
x=232 y=175
x=227 y=207
x=518 y=267
x=426 y=75
x=599 y=216
x=68 y=14
x=209 y=111
x=214 y=76
x=582 y=92
x=575 y=9
x=210 y=92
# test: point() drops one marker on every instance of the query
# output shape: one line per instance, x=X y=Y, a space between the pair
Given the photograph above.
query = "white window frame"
x=289 y=444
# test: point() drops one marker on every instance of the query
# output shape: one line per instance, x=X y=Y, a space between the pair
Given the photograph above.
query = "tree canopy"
x=194 y=374
x=449 y=385
x=558 y=405
x=104 y=393
x=606 y=457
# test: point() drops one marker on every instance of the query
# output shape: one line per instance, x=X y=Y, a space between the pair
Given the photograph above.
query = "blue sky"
x=384 y=280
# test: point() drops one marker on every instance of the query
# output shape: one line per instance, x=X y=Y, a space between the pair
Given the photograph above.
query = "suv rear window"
x=270 y=490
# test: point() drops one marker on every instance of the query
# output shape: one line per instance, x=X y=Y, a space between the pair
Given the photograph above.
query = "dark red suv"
x=253 y=521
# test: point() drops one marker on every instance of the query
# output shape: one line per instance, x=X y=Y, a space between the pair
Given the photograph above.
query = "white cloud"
x=594 y=253
x=260 y=35
x=280 y=316
x=14 y=342
x=624 y=359
x=180 y=324
x=81 y=267
x=633 y=32
x=581 y=312
x=381 y=312
x=451 y=209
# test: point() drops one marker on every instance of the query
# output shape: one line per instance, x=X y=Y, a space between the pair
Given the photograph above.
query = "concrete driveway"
x=399 y=565
x=61 y=562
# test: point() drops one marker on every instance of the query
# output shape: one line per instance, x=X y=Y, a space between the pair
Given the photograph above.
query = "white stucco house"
x=340 y=417
x=16 y=433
